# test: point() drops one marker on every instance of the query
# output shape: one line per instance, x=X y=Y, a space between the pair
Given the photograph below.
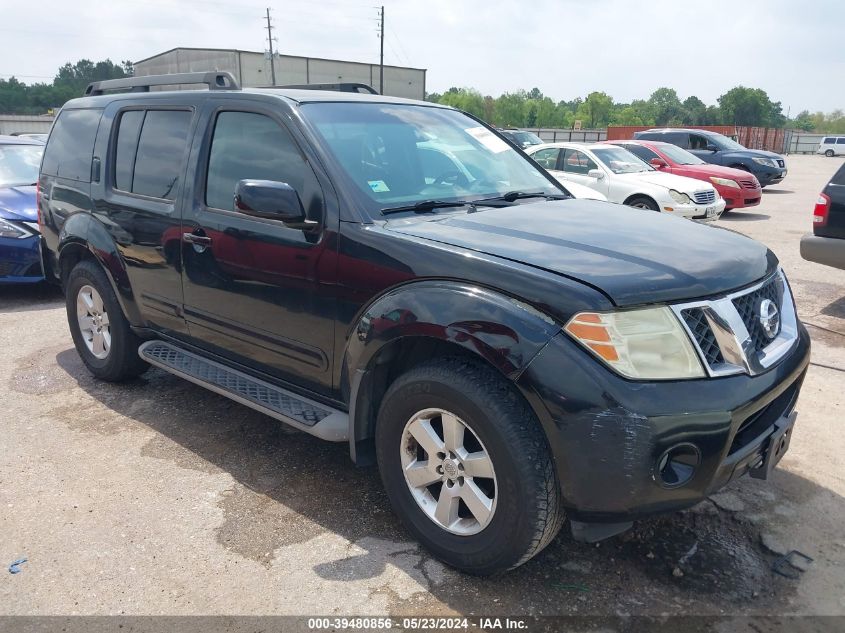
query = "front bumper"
x=608 y=434
x=704 y=212
x=20 y=260
x=770 y=175
x=829 y=251
x=741 y=198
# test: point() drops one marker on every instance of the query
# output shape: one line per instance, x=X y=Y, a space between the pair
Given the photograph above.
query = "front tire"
x=101 y=333
x=467 y=466
x=643 y=202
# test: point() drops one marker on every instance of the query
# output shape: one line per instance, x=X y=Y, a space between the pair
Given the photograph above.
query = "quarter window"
x=71 y=145
x=250 y=146
x=830 y=140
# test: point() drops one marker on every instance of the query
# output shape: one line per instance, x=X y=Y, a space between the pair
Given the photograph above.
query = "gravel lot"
x=158 y=497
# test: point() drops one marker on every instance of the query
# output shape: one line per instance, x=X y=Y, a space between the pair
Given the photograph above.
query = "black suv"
x=393 y=274
x=826 y=244
x=711 y=147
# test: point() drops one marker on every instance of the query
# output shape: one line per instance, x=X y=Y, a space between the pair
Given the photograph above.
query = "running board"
x=301 y=413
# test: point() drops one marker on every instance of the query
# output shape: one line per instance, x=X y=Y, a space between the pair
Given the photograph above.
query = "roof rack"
x=339 y=87
x=218 y=80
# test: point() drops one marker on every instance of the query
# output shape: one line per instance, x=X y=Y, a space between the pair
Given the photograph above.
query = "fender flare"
x=501 y=330
x=83 y=231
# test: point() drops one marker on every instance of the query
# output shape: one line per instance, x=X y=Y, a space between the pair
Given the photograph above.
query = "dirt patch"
x=38 y=373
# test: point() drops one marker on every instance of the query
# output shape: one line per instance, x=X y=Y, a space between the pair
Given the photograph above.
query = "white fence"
x=551 y=135
x=22 y=123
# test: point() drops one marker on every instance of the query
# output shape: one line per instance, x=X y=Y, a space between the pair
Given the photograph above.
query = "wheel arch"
x=640 y=194
x=424 y=320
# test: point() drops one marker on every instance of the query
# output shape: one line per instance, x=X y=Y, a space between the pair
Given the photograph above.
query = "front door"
x=257 y=291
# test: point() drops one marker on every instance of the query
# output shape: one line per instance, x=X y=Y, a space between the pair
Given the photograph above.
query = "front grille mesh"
x=705 y=197
x=236 y=383
x=747 y=306
x=697 y=323
x=748 y=184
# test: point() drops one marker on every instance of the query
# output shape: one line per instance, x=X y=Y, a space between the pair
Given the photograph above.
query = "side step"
x=299 y=412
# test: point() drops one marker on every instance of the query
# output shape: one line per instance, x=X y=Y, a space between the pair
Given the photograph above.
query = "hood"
x=18 y=203
x=633 y=256
x=718 y=171
x=755 y=152
x=670 y=181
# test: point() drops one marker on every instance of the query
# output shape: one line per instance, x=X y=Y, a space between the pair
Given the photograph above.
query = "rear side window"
x=150 y=150
x=840 y=140
x=641 y=152
x=71 y=145
x=839 y=176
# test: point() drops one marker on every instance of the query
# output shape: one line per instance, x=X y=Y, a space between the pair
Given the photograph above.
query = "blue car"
x=20 y=239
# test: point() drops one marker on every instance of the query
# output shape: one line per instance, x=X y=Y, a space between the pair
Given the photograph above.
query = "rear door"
x=139 y=198
x=259 y=292
x=840 y=145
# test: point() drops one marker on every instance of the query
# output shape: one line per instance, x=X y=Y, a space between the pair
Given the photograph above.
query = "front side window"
x=620 y=161
x=150 y=152
x=696 y=141
x=19 y=164
x=576 y=162
x=547 y=158
x=398 y=155
x=251 y=146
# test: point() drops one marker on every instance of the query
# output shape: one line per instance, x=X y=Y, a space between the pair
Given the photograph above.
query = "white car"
x=622 y=177
x=583 y=193
x=832 y=146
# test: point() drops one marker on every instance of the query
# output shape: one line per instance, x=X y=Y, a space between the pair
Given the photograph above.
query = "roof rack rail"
x=338 y=87
x=218 y=80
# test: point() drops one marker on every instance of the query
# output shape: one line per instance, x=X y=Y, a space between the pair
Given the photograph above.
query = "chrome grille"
x=747 y=306
x=705 y=197
x=727 y=331
x=703 y=335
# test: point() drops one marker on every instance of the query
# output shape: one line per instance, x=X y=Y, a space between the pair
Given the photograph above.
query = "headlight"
x=7 y=229
x=642 y=344
x=680 y=198
x=768 y=162
x=725 y=182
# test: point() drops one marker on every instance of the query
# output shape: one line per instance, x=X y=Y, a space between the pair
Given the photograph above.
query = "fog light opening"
x=676 y=467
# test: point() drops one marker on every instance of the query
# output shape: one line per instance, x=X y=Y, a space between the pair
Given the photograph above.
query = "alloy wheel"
x=93 y=321
x=448 y=471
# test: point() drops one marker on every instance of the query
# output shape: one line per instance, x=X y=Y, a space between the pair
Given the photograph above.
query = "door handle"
x=196 y=240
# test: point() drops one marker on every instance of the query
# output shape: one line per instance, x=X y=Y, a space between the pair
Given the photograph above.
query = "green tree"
x=803 y=122
x=595 y=111
x=750 y=106
x=666 y=107
x=626 y=116
x=464 y=99
x=509 y=109
x=695 y=111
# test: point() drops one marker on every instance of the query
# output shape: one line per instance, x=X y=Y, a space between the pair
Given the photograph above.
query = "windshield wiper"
x=425 y=206
x=513 y=196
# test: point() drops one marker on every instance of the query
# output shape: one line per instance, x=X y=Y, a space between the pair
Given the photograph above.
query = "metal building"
x=252 y=69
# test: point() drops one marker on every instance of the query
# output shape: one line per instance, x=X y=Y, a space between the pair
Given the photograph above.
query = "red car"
x=739 y=188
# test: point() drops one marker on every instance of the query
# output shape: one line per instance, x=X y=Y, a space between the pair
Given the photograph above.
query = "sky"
x=566 y=48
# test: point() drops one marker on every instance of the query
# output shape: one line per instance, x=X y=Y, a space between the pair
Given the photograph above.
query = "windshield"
x=527 y=138
x=723 y=142
x=19 y=164
x=680 y=155
x=398 y=155
x=620 y=161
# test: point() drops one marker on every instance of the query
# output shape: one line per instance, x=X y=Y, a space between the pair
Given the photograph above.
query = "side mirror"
x=598 y=174
x=711 y=148
x=658 y=163
x=272 y=200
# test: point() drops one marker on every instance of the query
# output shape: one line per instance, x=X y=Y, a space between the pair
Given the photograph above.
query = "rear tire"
x=643 y=202
x=101 y=333
x=501 y=453
x=829 y=153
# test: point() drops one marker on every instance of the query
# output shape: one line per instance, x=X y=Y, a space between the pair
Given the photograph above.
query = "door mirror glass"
x=658 y=163
x=598 y=174
x=711 y=148
x=269 y=199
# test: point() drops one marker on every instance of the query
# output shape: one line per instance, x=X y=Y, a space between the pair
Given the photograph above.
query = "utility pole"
x=270 y=40
x=381 y=56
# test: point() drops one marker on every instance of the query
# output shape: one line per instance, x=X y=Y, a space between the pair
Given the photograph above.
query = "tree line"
x=532 y=109
x=738 y=106
x=17 y=97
